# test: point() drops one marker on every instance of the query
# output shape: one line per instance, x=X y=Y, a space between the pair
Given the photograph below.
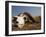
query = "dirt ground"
x=27 y=26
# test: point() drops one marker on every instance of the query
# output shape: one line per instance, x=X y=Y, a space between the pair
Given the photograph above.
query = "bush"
x=37 y=19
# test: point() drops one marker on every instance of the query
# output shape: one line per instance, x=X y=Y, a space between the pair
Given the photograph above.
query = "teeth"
x=20 y=26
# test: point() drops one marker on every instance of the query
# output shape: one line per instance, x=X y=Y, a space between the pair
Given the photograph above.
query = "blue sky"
x=34 y=11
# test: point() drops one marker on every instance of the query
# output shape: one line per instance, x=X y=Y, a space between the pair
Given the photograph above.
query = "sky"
x=34 y=11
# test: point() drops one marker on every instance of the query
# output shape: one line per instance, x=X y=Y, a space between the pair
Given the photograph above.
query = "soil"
x=27 y=26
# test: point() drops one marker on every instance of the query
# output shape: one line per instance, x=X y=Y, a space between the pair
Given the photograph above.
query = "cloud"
x=35 y=11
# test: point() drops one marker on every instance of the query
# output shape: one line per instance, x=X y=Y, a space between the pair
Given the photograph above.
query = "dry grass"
x=29 y=26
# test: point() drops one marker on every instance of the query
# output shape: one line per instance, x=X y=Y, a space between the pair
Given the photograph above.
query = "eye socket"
x=14 y=18
x=24 y=18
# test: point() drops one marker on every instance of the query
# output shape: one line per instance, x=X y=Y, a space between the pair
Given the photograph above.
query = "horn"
x=29 y=17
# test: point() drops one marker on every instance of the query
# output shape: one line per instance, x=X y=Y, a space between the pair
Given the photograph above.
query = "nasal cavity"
x=16 y=21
